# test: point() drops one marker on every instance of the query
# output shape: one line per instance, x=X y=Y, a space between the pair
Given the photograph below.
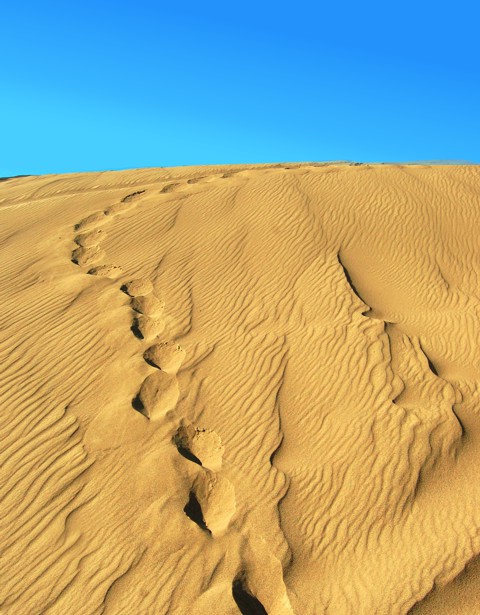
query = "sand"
x=247 y=389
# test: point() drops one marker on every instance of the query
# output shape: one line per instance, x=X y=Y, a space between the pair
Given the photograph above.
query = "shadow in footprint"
x=193 y=510
x=138 y=405
x=248 y=604
x=130 y=197
x=187 y=454
x=149 y=362
x=135 y=329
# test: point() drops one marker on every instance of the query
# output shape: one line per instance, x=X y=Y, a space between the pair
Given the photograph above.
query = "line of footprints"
x=212 y=501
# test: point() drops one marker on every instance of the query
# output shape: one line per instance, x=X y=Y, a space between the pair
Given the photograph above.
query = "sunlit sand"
x=246 y=389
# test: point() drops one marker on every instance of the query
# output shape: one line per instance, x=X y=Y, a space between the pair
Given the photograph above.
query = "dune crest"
x=245 y=389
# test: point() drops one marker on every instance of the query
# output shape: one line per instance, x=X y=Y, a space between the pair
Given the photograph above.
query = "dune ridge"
x=244 y=389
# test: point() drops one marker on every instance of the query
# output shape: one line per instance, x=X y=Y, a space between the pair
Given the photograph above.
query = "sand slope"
x=241 y=390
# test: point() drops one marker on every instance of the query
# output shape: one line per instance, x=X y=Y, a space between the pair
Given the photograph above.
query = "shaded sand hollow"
x=241 y=390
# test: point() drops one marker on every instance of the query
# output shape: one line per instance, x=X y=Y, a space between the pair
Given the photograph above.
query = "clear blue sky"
x=111 y=85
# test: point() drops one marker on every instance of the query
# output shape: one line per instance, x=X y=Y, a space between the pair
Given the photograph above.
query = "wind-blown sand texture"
x=241 y=390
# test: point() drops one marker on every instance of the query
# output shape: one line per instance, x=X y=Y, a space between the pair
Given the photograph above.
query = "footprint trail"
x=211 y=504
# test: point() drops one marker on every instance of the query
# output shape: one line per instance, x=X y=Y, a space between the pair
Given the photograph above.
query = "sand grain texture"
x=312 y=447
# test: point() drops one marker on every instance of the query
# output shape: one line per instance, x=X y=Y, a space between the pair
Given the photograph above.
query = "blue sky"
x=96 y=86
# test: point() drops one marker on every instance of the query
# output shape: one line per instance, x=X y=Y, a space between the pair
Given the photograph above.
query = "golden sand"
x=241 y=390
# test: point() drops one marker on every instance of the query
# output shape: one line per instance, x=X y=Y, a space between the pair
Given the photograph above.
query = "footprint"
x=96 y=218
x=147 y=328
x=133 y=195
x=138 y=287
x=92 y=238
x=158 y=394
x=148 y=305
x=168 y=188
x=106 y=271
x=167 y=356
x=86 y=256
x=118 y=208
x=215 y=495
x=203 y=446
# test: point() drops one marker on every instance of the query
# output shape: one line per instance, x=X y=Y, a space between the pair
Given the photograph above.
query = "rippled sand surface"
x=247 y=389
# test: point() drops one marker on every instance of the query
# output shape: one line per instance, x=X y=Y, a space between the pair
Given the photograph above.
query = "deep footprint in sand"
x=203 y=446
x=125 y=204
x=158 y=395
x=146 y=327
x=106 y=271
x=138 y=287
x=133 y=195
x=169 y=188
x=92 y=220
x=149 y=305
x=90 y=239
x=167 y=356
x=118 y=208
x=87 y=256
x=215 y=496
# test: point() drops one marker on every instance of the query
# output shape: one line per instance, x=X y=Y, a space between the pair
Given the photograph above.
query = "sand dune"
x=246 y=389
